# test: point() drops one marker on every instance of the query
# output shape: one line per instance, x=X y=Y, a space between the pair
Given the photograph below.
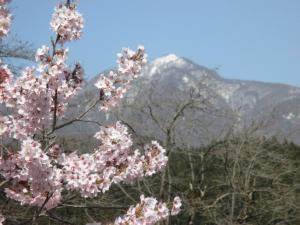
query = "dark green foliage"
x=241 y=180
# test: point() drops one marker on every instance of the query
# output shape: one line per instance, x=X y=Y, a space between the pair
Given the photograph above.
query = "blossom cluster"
x=31 y=102
x=113 y=86
x=34 y=98
x=39 y=93
x=67 y=22
x=5 y=75
x=5 y=18
x=113 y=161
x=33 y=176
x=61 y=81
x=35 y=173
x=39 y=172
x=149 y=211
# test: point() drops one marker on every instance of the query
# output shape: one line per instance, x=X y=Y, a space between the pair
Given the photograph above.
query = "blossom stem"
x=55 y=110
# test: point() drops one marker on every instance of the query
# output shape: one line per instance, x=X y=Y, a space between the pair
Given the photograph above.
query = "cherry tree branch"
x=75 y=119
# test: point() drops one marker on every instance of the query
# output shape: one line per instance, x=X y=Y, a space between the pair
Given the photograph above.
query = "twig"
x=41 y=208
x=76 y=119
x=56 y=218
x=95 y=206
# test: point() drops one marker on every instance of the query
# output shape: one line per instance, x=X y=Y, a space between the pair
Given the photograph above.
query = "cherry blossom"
x=67 y=22
x=114 y=161
x=30 y=101
x=176 y=206
x=39 y=93
x=5 y=74
x=5 y=125
x=113 y=86
x=43 y=57
x=149 y=211
x=3 y=2
x=39 y=172
x=130 y=62
x=79 y=174
x=5 y=18
x=5 y=78
x=155 y=158
x=34 y=177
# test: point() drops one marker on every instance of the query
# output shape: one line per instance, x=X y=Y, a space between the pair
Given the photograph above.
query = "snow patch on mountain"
x=289 y=116
x=226 y=90
x=185 y=79
x=171 y=58
x=166 y=61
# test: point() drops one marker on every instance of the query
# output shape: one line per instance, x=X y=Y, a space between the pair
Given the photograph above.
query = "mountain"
x=176 y=100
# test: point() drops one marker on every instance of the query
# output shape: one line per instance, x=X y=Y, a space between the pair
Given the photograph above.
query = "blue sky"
x=246 y=39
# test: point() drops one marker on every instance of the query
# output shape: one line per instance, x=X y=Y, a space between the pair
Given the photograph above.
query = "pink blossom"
x=38 y=98
x=113 y=86
x=176 y=206
x=5 y=125
x=34 y=177
x=5 y=79
x=67 y=23
x=149 y=211
x=79 y=174
x=110 y=163
x=30 y=101
x=3 y=2
x=155 y=158
x=5 y=74
x=130 y=62
x=114 y=161
x=5 y=19
x=43 y=55
x=36 y=94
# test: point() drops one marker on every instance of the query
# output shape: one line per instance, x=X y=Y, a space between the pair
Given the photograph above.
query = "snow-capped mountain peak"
x=164 y=62
x=166 y=59
x=171 y=81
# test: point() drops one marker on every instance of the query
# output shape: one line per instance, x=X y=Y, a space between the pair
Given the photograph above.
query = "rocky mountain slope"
x=176 y=100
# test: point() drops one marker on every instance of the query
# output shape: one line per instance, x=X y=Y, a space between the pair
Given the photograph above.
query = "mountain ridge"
x=169 y=81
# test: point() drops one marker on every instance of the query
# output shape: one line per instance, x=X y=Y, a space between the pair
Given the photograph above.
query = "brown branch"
x=55 y=110
x=95 y=207
x=77 y=119
x=56 y=218
x=4 y=182
x=38 y=212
